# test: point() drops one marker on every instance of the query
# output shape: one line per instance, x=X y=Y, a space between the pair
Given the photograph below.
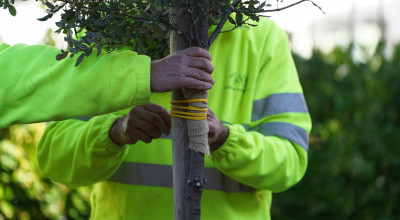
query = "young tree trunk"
x=189 y=145
x=196 y=179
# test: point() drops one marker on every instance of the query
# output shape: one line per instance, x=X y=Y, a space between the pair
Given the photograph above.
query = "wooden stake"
x=180 y=140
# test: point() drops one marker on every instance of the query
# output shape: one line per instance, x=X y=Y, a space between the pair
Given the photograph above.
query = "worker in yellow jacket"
x=35 y=87
x=259 y=126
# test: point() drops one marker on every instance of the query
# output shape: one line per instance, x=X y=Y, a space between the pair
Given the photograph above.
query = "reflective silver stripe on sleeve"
x=285 y=130
x=278 y=103
x=161 y=176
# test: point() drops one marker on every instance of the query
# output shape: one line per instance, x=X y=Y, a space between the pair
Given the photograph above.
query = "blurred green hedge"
x=354 y=160
x=24 y=193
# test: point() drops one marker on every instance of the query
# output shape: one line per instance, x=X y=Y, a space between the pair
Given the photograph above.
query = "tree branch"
x=283 y=8
x=193 y=26
x=221 y=23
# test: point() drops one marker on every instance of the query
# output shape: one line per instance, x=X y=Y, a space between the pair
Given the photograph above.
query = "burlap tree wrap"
x=197 y=129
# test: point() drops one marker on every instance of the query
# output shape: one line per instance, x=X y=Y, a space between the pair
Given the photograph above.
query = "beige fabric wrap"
x=197 y=129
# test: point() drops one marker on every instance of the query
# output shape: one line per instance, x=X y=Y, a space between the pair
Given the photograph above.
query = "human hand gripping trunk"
x=189 y=68
x=217 y=132
x=143 y=123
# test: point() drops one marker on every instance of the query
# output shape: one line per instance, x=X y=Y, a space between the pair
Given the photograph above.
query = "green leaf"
x=231 y=20
x=88 y=52
x=99 y=48
x=239 y=19
x=62 y=55
x=91 y=34
x=6 y=4
x=45 y=18
x=162 y=26
x=254 y=17
x=12 y=10
x=80 y=45
x=261 y=6
x=80 y=59
x=49 y=5
x=73 y=50
x=252 y=9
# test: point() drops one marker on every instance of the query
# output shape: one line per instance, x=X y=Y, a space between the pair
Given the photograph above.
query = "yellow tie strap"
x=188 y=101
x=189 y=115
x=190 y=107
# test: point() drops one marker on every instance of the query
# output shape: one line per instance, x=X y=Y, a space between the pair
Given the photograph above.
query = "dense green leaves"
x=137 y=24
x=110 y=25
x=354 y=160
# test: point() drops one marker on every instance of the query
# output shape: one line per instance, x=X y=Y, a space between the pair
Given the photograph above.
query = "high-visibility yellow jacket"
x=35 y=87
x=258 y=96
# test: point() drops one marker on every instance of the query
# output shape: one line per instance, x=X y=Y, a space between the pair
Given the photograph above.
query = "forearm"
x=262 y=162
x=77 y=153
x=36 y=87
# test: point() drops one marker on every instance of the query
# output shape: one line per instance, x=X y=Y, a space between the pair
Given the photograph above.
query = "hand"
x=217 y=132
x=189 y=68
x=143 y=123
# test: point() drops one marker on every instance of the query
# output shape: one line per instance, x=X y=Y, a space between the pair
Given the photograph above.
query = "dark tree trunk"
x=188 y=165
x=196 y=180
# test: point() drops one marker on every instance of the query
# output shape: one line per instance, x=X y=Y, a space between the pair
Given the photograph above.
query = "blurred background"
x=348 y=61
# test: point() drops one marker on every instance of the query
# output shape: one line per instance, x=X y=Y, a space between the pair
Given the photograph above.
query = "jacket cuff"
x=109 y=145
x=143 y=91
x=230 y=143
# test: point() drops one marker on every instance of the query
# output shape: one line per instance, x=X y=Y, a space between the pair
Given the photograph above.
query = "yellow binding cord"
x=190 y=107
x=188 y=101
x=189 y=115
